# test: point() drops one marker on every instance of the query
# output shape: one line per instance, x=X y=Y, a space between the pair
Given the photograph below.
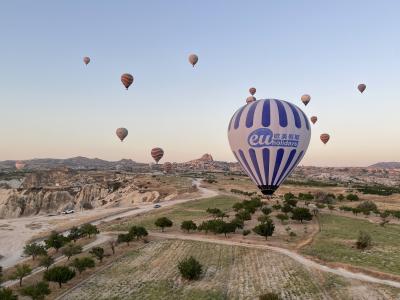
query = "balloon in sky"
x=157 y=154
x=325 y=137
x=252 y=90
x=193 y=59
x=86 y=60
x=269 y=138
x=127 y=80
x=314 y=119
x=167 y=167
x=305 y=99
x=122 y=133
x=19 y=165
x=250 y=99
x=361 y=87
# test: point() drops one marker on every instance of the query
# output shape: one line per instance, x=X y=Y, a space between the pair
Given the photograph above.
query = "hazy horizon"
x=54 y=106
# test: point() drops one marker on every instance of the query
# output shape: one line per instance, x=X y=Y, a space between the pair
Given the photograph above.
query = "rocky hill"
x=386 y=165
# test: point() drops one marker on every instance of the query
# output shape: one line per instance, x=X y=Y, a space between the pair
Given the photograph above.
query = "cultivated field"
x=230 y=272
x=340 y=233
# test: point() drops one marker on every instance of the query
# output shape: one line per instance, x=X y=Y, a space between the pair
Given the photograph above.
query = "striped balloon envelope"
x=157 y=154
x=269 y=138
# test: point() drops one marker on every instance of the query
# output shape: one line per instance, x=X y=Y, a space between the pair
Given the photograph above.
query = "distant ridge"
x=386 y=165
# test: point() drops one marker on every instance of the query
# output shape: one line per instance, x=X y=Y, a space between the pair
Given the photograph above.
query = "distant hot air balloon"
x=250 y=99
x=269 y=138
x=193 y=59
x=313 y=119
x=122 y=133
x=157 y=154
x=305 y=99
x=86 y=60
x=325 y=137
x=19 y=165
x=167 y=167
x=361 y=87
x=252 y=90
x=127 y=80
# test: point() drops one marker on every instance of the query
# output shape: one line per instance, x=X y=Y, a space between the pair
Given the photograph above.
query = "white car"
x=68 y=211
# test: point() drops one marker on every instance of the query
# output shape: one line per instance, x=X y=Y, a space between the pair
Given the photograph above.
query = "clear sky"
x=52 y=105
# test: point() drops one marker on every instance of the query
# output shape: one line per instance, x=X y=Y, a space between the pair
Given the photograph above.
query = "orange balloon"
x=313 y=119
x=325 y=137
x=305 y=99
x=127 y=80
x=252 y=90
x=193 y=59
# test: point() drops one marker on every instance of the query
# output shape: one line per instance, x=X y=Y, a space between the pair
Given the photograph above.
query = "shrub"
x=352 y=197
x=20 y=272
x=59 y=274
x=243 y=215
x=190 y=268
x=81 y=264
x=286 y=208
x=301 y=214
x=88 y=229
x=188 y=225
x=71 y=249
x=367 y=206
x=98 y=252
x=306 y=197
x=7 y=294
x=55 y=240
x=282 y=217
x=364 y=240
x=46 y=261
x=163 y=222
x=265 y=229
x=277 y=206
x=34 y=250
x=269 y=296
x=36 y=291
x=246 y=232
x=320 y=205
x=266 y=210
x=340 y=197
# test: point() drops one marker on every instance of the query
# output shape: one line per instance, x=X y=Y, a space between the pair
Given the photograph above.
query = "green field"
x=193 y=210
x=229 y=272
x=336 y=243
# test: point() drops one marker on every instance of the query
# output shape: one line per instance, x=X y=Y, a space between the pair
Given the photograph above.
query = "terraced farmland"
x=230 y=272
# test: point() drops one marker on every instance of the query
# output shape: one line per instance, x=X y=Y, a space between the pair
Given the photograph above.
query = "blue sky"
x=53 y=106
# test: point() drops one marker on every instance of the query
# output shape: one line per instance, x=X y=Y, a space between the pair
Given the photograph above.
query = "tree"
x=98 y=252
x=89 y=229
x=55 y=240
x=20 y=272
x=286 y=208
x=352 y=197
x=215 y=212
x=301 y=214
x=239 y=223
x=112 y=244
x=138 y=232
x=263 y=218
x=46 y=261
x=190 y=268
x=7 y=294
x=124 y=238
x=396 y=214
x=81 y=264
x=237 y=206
x=266 y=210
x=265 y=229
x=34 y=250
x=226 y=228
x=59 y=274
x=367 y=206
x=356 y=211
x=282 y=217
x=243 y=215
x=269 y=296
x=364 y=240
x=37 y=291
x=74 y=234
x=288 y=196
x=71 y=249
x=163 y=222
x=340 y=197
x=188 y=225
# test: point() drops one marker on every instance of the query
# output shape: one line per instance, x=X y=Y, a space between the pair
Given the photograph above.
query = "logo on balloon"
x=264 y=137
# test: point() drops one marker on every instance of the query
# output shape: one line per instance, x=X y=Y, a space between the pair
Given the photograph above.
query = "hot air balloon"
x=250 y=99
x=361 y=87
x=269 y=138
x=157 y=154
x=313 y=119
x=193 y=59
x=305 y=99
x=122 y=133
x=325 y=137
x=127 y=80
x=86 y=60
x=252 y=91
x=167 y=167
x=19 y=165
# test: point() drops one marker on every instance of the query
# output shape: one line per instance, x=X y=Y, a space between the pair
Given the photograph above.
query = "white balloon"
x=269 y=138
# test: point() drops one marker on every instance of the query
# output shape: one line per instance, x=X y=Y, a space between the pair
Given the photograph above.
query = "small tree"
x=269 y=296
x=138 y=232
x=59 y=274
x=288 y=196
x=81 y=264
x=352 y=197
x=46 y=261
x=356 y=210
x=55 y=240
x=239 y=223
x=20 y=272
x=190 y=268
x=301 y=214
x=237 y=206
x=265 y=229
x=7 y=294
x=367 y=206
x=37 y=291
x=163 y=222
x=34 y=250
x=266 y=210
x=188 y=225
x=215 y=212
x=364 y=240
x=282 y=217
x=243 y=215
x=74 y=234
x=98 y=252
x=263 y=218
x=286 y=208
x=226 y=228
x=89 y=229
x=340 y=197
x=71 y=249
x=124 y=238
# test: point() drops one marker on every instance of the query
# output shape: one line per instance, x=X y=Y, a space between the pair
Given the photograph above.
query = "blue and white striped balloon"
x=269 y=138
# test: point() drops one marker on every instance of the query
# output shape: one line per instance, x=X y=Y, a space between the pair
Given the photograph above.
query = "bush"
x=20 y=272
x=88 y=229
x=7 y=294
x=320 y=205
x=71 y=250
x=306 y=197
x=190 y=268
x=98 y=252
x=266 y=210
x=263 y=218
x=286 y=208
x=265 y=229
x=364 y=240
x=301 y=214
x=188 y=225
x=34 y=250
x=46 y=261
x=340 y=197
x=277 y=206
x=269 y=296
x=81 y=264
x=55 y=240
x=246 y=232
x=352 y=197
x=367 y=206
x=282 y=217
x=243 y=215
x=163 y=222
x=36 y=291
x=59 y=274
x=288 y=196
x=346 y=208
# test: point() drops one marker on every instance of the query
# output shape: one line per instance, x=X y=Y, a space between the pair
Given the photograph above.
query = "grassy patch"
x=193 y=210
x=336 y=243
